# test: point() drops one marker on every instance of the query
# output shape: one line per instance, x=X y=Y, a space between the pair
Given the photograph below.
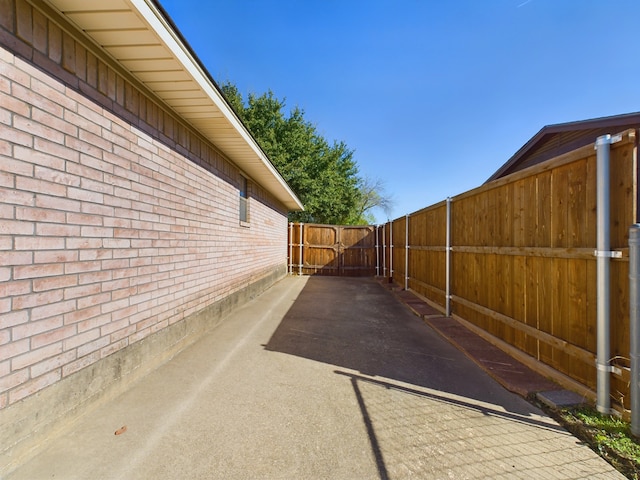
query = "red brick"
x=84 y=171
x=40 y=186
x=12 y=289
x=89 y=231
x=56 y=176
x=14 y=318
x=5 y=274
x=112 y=306
x=95 y=209
x=82 y=243
x=30 y=329
x=84 y=195
x=15 y=258
x=81 y=267
x=38 y=129
x=53 y=310
x=94 y=277
x=34 y=386
x=114 y=347
x=94 y=186
x=57 y=230
x=96 y=299
x=55 y=256
x=91 y=347
x=57 y=203
x=15 y=105
x=84 y=219
x=82 y=314
x=9 y=195
x=79 y=364
x=85 y=149
x=81 y=339
x=34 y=356
x=55 y=152
x=10 y=381
x=40 y=214
x=118 y=263
x=7 y=212
x=82 y=291
x=16 y=227
x=36 y=299
x=51 y=283
x=53 y=336
x=39 y=243
x=52 y=364
x=95 y=254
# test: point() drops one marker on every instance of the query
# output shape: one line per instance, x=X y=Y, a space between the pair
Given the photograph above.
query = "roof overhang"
x=558 y=133
x=142 y=39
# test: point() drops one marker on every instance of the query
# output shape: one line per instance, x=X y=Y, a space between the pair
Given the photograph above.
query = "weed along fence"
x=332 y=250
x=516 y=260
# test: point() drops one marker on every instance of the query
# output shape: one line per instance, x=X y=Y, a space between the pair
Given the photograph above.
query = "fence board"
x=522 y=263
x=332 y=250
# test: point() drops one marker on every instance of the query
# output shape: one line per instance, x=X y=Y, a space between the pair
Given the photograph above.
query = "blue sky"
x=433 y=96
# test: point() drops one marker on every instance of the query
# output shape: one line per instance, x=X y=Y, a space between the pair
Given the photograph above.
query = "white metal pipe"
x=384 y=250
x=448 y=261
x=300 y=264
x=290 y=269
x=603 y=368
x=406 y=252
x=391 y=251
x=377 y=227
x=634 y=325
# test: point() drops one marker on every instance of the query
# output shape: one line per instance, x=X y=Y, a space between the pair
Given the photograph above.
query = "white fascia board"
x=156 y=20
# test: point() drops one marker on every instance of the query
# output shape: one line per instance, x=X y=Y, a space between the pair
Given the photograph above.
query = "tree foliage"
x=324 y=175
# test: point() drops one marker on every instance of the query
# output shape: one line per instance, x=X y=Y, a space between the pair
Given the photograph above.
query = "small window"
x=244 y=200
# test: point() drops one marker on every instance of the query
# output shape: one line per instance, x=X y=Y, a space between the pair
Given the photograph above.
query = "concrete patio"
x=318 y=378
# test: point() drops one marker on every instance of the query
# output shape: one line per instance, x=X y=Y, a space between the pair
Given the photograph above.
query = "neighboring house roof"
x=142 y=39
x=554 y=140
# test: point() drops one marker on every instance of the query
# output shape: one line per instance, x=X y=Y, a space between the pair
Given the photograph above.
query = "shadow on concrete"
x=394 y=416
x=354 y=323
x=357 y=325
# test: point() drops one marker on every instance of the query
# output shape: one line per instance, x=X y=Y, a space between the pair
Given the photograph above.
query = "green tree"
x=324 y=175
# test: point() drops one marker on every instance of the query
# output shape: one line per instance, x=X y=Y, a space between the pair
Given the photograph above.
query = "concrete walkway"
x=318 y=378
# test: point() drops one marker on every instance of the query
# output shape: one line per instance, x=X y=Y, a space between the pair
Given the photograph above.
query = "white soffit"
x=136 y=34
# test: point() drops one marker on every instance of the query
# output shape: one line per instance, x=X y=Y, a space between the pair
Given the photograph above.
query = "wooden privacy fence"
x=332 y=250
x=522 y=264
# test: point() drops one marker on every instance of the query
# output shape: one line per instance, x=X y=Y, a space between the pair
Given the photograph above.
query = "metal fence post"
x=406 y=252
x=634 y=325
x=300 y=264
x=377 y=230
x=391 y=252
x=384 y=250
x=290 y=269
x=448 y=260
x=603 y=255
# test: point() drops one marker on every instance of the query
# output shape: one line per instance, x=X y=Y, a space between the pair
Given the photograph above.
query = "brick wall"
x=116 y=220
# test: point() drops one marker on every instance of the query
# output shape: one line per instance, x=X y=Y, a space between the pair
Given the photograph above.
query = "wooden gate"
x=332 y=250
